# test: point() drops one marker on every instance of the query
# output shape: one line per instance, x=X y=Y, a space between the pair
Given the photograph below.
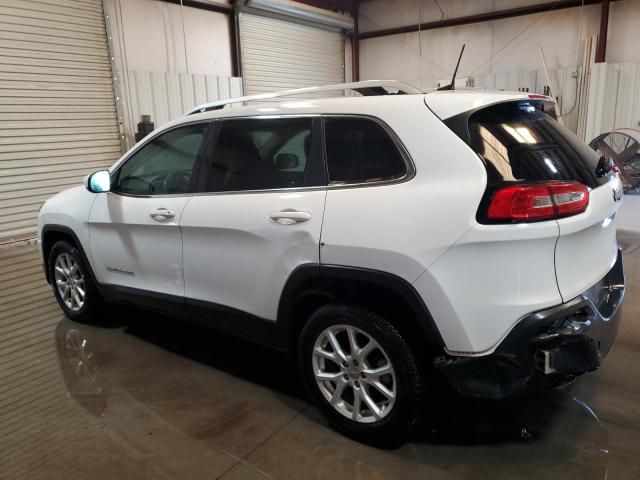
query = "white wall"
x=614 y=98
x=501 y=46
x=155 y=74
x=629 y=214
x=148 y=36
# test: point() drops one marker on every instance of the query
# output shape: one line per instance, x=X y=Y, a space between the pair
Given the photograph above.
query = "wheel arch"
x=55 y=233
x=311 y=286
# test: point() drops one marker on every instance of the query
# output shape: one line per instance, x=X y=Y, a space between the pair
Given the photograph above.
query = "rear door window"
x=518 y=142
x=262 y=154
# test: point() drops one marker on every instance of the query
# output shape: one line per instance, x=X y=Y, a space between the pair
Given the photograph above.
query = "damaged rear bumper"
x=546 y=348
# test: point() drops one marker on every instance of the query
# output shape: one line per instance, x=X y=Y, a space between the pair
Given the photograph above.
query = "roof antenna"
x=452 y=85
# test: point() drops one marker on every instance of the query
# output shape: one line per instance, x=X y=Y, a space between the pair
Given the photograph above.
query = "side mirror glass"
x=286 y=161
x=99 y=181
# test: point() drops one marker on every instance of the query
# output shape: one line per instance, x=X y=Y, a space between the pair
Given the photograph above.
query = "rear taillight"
x=538 y=96
x=527 y=203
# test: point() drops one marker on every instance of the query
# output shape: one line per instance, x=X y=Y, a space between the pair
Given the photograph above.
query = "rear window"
x=518 y=142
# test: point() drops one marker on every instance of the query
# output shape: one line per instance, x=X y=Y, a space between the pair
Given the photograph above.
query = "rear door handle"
x=289 y=217
x=162 y=214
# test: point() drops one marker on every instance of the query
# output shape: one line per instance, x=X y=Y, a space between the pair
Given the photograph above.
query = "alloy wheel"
x=354 y=373
x=70 y=282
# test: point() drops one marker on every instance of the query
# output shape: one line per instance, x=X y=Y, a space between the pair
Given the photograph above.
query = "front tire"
x=361 y=374
x=72 y=283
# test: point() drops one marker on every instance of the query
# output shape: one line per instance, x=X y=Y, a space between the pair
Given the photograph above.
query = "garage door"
x=279 y=55
x=57 y=110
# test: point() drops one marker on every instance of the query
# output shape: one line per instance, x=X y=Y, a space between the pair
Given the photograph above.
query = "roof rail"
x=365 y=88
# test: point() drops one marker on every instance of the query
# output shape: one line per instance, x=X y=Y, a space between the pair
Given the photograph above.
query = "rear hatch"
x=538 y=170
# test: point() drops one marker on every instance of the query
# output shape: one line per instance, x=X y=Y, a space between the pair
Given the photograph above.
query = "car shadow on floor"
x=459 y=420
x=250 y=361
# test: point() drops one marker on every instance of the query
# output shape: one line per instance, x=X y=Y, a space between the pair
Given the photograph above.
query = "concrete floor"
x=150 y=397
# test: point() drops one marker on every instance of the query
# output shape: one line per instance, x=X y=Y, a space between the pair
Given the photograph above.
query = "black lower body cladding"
x=546 y=348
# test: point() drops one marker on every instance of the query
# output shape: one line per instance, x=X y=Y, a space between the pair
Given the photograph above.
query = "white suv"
x=390 y=240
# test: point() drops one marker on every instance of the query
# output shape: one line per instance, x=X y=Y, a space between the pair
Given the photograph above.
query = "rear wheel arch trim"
x=321 y=274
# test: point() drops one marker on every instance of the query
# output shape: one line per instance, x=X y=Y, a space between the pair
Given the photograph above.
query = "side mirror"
x=99 y=181
x=285 y=161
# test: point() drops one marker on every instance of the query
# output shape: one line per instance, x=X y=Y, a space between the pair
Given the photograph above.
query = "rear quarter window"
x=359 y=150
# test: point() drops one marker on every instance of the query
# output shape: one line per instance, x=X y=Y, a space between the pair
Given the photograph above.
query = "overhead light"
x=520 y=134
x=550 y=164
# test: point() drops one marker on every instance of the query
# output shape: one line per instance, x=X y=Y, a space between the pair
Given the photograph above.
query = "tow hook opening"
x=543 y=362
x=566 y=347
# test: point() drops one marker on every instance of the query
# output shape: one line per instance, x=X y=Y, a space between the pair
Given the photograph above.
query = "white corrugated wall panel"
x=57 y=110
x=167 y=96
x=280 y=55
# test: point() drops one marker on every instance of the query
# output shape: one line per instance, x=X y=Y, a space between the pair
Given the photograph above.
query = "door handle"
x=162 y=214
x=289 y=217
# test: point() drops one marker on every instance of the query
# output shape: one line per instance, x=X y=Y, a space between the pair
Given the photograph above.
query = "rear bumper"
x=546 y=348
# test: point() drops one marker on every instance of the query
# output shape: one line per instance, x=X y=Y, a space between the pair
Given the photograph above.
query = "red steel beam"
x=205 y=5
x=601 y=51
x=336 y=5
x=355 y=46
x=481 y=17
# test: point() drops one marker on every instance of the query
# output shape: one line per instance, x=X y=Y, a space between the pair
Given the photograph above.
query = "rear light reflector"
x=523 y=203
x=616 y=168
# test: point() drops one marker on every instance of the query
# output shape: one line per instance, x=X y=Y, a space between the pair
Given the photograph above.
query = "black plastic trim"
x=219 y=317
x=318 y=278
x=237 y=323
x=53 y=228
x=159 y=302
x=307 y=280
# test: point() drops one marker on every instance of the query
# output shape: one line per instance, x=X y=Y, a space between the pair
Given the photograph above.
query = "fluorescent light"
x=550 y=164
x=520 y=134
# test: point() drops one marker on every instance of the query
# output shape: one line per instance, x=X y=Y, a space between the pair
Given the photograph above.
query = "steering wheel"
x=146 y=186
x=177 y=182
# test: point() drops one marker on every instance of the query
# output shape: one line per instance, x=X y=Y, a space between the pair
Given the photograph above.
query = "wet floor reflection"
x=551 y=435
x=150 y=397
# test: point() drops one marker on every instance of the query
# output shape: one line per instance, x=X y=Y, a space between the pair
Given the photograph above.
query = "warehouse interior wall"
x=505 y=54
x=162 y=70
x=499 y=46
x=148 y=36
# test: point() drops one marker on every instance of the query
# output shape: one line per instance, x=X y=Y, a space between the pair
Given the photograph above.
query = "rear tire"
x=371 y=392
x=72 y=283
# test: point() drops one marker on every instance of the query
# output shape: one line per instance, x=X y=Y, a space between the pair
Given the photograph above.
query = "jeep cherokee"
x=390 y=240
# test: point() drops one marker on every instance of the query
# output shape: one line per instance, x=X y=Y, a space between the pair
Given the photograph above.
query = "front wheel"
x=72 y=283
x=361 y=374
